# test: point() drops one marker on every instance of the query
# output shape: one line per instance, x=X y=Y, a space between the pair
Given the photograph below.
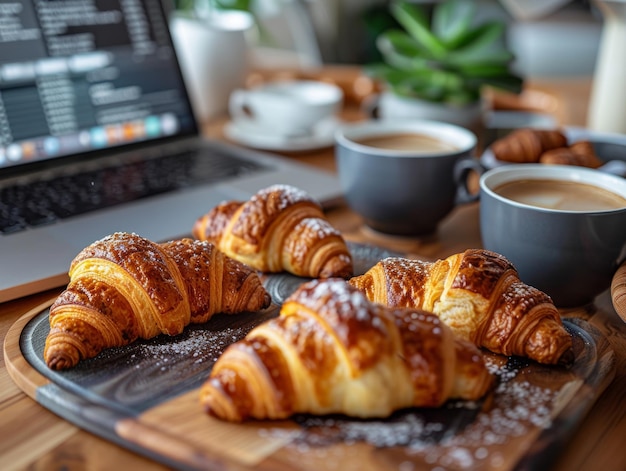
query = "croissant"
x=580 y=153
x=478 y=294
x=526 y=145
x=124 y=287
x=330 y=350
x=281 y=228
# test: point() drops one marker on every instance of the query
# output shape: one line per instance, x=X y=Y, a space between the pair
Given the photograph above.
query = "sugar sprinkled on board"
x=517 y=408
x=198 y=344
x=196 y=349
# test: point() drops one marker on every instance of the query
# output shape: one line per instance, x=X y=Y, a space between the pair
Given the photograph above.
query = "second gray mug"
x=400 y=175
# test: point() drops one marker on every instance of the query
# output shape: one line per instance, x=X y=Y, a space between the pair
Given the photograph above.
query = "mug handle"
x=237 y=104
x=462 y=171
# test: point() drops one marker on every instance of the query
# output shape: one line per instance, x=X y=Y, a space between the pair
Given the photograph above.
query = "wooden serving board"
x=145 y=397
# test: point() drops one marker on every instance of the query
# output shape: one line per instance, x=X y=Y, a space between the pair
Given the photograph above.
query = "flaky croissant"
x=281 y=228
x=332 y=351
x=580 y=153
x=478 y=294
x=527 y=145
x=124 y=287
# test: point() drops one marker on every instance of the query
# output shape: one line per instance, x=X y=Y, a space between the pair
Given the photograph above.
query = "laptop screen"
x=78 y=76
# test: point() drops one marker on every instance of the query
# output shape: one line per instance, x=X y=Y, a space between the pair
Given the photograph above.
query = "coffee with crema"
x=408 y=141
x=561 y=195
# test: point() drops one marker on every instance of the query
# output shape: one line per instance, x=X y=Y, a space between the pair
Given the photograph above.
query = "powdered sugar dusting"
x=286 y=195
x=319 y=228
x=169 y=365
x=199 y=345
x=459 y=435
x=346 y=300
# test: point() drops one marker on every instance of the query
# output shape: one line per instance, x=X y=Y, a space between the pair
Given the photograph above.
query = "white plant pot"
x=213 y=53
x=392 y=106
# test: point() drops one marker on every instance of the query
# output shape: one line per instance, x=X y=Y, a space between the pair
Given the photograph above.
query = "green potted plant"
x=435 y=66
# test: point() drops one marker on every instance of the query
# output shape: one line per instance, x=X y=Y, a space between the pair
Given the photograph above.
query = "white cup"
x=289 y=107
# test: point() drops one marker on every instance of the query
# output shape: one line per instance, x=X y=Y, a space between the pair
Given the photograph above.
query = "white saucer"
x=249 y=133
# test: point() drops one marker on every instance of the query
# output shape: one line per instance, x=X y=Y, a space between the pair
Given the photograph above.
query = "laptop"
x=98 y=135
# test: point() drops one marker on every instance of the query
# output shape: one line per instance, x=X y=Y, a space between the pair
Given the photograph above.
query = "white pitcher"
x=607 y=106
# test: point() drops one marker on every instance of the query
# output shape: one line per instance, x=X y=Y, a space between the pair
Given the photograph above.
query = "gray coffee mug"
x=400 y=190
x=571 y=255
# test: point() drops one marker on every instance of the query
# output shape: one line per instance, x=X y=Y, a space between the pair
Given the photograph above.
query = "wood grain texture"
x=83 y=451
x=596 y=443
x=33 y=431
x=618 y=291
x=25 y=377
x=199 y=441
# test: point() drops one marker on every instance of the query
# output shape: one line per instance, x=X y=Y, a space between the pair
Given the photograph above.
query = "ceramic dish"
x=610 y=147
x=248 y=133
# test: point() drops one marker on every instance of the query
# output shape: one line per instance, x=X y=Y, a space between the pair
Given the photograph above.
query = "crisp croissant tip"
x=60 y=362
x=267 y=300
x=60 y=356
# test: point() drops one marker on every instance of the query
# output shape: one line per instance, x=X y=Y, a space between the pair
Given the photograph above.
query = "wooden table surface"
x=31 y=437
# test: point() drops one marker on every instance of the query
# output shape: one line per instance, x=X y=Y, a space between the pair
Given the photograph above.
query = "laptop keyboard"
x=44 y=202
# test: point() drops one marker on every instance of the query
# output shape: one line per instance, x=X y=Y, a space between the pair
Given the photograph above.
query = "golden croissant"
x=527 y=145
x=281 y=228
x=580 y=153
x=330 y=350
x=124 y=287
x=478 y=294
